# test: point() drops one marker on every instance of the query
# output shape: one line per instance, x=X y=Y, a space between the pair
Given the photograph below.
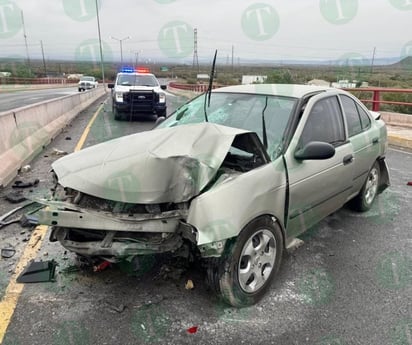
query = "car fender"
x=223 y=211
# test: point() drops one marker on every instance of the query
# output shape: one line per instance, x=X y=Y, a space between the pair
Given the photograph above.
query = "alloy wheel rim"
x=257 y=260
x=371 y=186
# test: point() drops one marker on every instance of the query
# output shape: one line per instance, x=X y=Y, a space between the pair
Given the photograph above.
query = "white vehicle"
x=136 y=91
x=87 y=83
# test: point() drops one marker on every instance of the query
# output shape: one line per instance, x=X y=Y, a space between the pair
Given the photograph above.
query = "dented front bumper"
x=95 y=233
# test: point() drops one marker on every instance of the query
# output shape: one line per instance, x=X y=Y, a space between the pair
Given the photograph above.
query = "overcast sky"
x=164 y=29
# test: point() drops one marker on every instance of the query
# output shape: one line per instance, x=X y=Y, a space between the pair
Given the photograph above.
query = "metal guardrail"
x=376 y=96
x=375 y=100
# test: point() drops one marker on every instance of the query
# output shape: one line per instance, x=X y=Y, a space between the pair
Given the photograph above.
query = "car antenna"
x=209 y=89
x=265 y=137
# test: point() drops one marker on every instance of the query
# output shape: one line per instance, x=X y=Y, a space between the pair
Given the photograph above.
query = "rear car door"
x=318 y=187
x=364 y=139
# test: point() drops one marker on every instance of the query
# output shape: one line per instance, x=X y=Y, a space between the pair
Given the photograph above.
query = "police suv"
x=136 y=91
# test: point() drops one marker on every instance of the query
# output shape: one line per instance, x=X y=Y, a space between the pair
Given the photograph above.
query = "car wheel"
x=116 y=114
x=80 y=90
x=161 y=113
x=249 y=264
x=364 y=200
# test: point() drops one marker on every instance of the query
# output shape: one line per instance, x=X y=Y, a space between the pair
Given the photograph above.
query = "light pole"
x=121 y=46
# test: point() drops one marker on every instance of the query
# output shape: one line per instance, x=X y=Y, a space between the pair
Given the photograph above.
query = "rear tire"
x=245 y=271
x=364 y=200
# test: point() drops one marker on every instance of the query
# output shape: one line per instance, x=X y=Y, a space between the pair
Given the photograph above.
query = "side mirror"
x=163 y=87
x=315 y=150
x=110 y=86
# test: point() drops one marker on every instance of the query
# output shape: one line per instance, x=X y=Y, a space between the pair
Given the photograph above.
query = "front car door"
x=318 y=187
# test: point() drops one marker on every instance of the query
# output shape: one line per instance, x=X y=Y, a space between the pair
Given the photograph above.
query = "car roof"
x=287 y=90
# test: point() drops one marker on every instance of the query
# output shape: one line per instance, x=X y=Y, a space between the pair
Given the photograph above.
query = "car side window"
x=325 y=123
x=365 y=119
x=353 y=120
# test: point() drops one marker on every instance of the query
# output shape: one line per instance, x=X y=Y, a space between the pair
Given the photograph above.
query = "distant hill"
x=405 y=62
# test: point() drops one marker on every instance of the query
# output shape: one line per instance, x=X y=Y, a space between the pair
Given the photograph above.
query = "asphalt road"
x=11 y=100
x=350 y=283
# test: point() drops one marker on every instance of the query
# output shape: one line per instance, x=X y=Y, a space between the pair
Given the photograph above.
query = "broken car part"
x=38 y=271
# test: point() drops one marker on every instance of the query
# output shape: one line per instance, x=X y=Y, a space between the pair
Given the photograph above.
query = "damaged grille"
x=91 y=202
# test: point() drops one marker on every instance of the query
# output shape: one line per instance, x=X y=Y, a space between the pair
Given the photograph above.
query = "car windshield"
x=242 y=111
x=137 y=80
x=87 y=79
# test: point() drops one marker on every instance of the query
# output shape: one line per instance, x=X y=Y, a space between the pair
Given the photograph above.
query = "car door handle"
x=347 y=159
x=375 y=141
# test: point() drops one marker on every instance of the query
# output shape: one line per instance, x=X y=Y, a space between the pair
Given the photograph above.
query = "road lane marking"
x=13 y=291
x=86 y=131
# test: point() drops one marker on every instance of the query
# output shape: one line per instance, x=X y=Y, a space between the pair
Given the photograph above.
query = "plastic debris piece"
x=38 y=271
x=192 y=330
x=58 y=152
x=25 y=169
x=409 y=183
x=15 y=197
x=189 y=285
x=28 y=220
x=7 y=253
x=21 y=184
x=102 y=266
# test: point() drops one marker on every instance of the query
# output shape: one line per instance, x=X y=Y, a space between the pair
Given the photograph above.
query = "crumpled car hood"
x=163 y=165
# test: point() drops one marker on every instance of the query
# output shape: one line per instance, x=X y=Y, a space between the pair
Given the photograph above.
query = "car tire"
x=257 y=252
x=364 y=200
x=161 y=113
x=116 y=114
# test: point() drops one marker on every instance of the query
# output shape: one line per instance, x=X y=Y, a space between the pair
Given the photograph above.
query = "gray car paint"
x=165 y=165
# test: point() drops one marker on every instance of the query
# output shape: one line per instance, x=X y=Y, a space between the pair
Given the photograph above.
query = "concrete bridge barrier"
x=25 y=131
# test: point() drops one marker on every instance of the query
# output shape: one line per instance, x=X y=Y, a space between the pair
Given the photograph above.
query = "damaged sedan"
x=231 y=177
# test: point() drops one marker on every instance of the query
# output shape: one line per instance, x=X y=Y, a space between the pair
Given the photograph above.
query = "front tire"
x=364 y=200
x=249 y=264
x=116 y=113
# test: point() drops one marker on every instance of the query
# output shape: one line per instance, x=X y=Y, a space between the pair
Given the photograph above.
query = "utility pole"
x=25 y=42
x=233 y=50
x=121 y=46
x=195 y=57
x=44 y=61
x=100 y=44
x=373 y=59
